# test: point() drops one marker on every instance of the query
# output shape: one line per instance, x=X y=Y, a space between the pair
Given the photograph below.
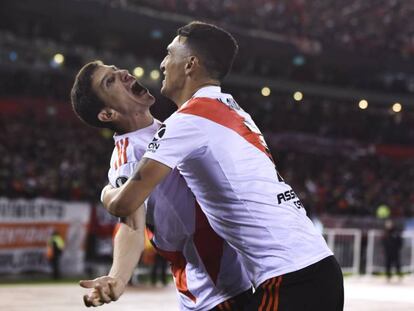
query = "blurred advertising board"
x=26 y=226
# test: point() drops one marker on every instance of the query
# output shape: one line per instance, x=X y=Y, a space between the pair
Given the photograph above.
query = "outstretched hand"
x=104 y=290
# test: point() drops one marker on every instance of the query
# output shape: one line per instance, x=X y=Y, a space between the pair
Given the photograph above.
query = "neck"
x=191 y=88
x=134 y=122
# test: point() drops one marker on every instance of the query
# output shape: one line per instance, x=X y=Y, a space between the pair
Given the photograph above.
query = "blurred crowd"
x=64 y=159
x=343 y=185
x=328 y=118
x=369 y=26
x=50 y=158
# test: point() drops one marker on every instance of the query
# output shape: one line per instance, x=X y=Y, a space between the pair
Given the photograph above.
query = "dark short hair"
x=216 y=47
x=85 y=102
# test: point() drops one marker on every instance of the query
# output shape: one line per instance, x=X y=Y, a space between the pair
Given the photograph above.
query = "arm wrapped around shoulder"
x=108 y=199
x=125 y=200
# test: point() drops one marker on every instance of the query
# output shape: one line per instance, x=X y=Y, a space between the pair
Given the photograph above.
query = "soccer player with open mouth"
x=222 y=155
x=208 y=273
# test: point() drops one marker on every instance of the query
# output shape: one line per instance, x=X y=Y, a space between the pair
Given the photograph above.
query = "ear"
x=106 y=115
x=191 y=65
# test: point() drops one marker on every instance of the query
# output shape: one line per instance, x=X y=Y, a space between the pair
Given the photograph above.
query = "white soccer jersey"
x=223 y=157
x=207 y=271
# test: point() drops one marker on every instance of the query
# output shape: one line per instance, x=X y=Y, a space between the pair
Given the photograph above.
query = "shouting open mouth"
x=138 y=89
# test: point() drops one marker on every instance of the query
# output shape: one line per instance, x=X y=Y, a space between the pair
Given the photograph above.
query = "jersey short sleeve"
x=119 y=176
x=177 y=139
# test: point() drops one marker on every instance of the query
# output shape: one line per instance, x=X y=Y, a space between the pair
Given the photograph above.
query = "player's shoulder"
x=209 y=102
x=179 y=122
x=197 y=103
x=176 y=119
x=139 y=139
x=130 y=147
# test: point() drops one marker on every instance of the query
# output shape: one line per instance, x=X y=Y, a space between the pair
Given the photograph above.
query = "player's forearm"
x=127 y=251
x=124 y=200
x=128 y=246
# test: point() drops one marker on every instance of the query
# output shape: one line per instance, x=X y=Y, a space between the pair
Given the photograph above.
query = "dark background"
x=339 y=158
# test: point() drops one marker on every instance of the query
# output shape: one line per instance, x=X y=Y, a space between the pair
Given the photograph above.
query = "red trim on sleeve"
x=118 y=149
x=124 y=150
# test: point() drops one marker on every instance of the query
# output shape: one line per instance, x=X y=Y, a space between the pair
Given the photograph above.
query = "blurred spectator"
x=159 y=269
x=55 y=246
x=392 y=243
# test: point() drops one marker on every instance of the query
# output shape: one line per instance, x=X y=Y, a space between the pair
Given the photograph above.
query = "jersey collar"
x=151 y=128
x=207 y=91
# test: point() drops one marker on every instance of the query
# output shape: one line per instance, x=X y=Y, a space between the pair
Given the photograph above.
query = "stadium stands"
x=43 y=156
x=356 y=25
x=342 y=160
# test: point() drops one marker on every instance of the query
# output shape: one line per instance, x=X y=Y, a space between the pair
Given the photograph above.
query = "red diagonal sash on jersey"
x=209 y=245
x=218 y=112
x=178 y=264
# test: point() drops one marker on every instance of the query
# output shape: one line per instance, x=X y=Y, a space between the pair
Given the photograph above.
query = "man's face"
x=119 y=90
x=173 y=67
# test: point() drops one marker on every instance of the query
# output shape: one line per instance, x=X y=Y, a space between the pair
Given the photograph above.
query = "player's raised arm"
x=124 y=200
x=128 y=247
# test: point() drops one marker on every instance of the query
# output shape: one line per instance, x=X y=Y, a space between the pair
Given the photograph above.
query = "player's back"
x=231 y=172
x=206 y=269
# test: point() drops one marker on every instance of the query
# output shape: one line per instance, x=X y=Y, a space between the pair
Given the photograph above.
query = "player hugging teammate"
x=223 y=158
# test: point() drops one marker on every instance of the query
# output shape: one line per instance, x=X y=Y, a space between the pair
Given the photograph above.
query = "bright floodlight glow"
x=363 y=104
x=397 y=107
x=298 y=96
x=155 y=74
x=138 y=72
x=266 y=91
x=58 y=58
